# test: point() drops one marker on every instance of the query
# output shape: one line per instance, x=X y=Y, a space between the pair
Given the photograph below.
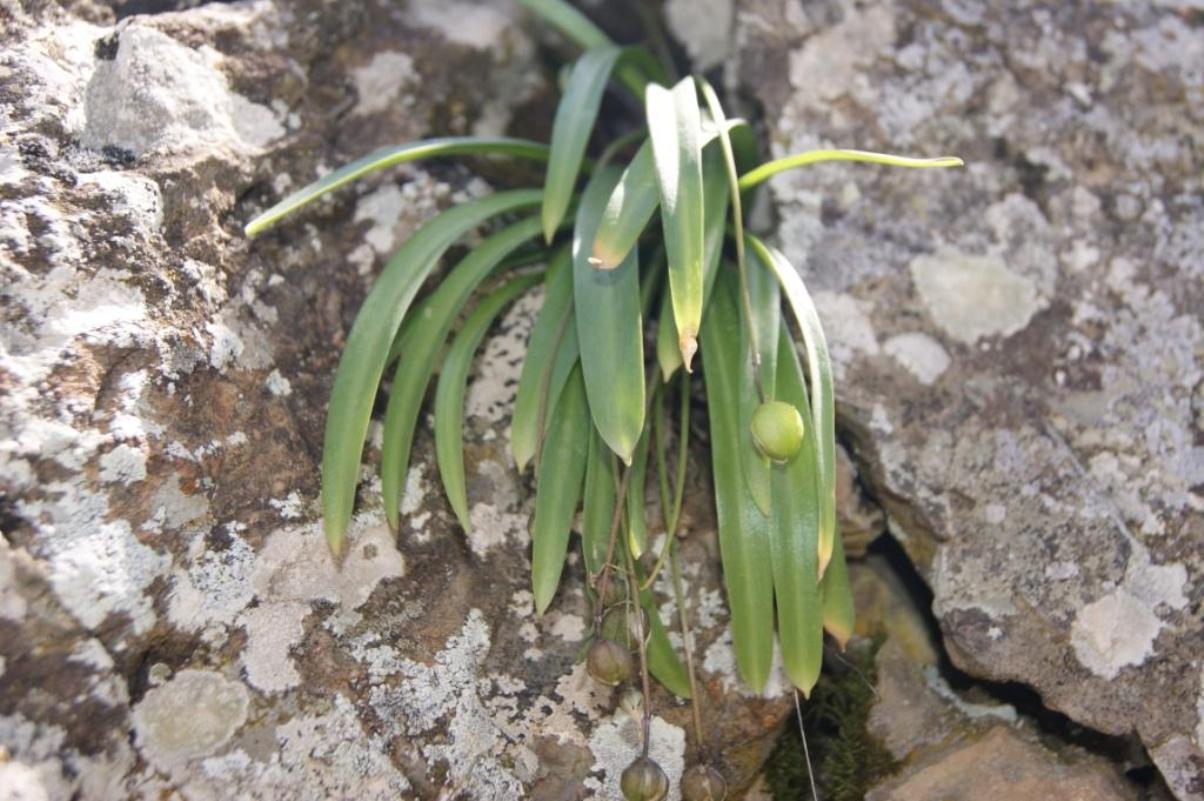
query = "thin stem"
x=633 y=581
x=687 y=643
x=733 y=179
x=798 y=711
x=674 y=517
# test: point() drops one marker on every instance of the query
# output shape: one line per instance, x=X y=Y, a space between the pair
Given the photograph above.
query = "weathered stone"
x=170 y=620
x=1018 y=344
x=1002 y=764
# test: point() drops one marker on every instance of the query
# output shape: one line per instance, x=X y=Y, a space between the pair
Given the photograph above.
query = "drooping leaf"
x=823 y=410
x=420 y=351
x=772 y=168
x=839 y=614
x=555 y=318
x=743 y=529
x=561 y=474
x=675 y=132
x=575 y=117
x=794 y=538
x=609 y=328
x=453 y=381
x=597 y=504
x=368 y=344
x=391 y=156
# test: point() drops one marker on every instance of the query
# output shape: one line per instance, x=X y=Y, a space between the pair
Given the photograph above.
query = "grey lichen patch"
x=159 y=94
x=919 y=354
x=192 y=715
x=972 y=297
x=1114 y=632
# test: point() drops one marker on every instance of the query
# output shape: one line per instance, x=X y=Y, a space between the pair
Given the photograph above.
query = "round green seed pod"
x=609 y=663
x=777 y=430
x=643 y=780
x=703 y=783
x=621 y=625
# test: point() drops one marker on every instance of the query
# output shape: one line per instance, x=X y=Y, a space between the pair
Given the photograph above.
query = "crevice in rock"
x=1051 y=726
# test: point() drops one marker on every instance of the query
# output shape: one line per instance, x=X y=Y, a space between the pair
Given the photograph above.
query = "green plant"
x=589 y=410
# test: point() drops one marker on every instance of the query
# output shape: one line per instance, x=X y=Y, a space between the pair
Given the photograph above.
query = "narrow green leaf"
x=794 y=538
x=637 y=526
x=598 y=504
x=839 y=613
x=368 y=345
x=391 y=156
x=419 y=355
x=764 y=303
x=772 y=168
x=575 y=117
x=715 y=215
x=555 y=317
x=675 y=132
x=743 y=529
x=581 y=30
x=637 y=195
x=609 y=328
x=822 y=422
x=561 y=474
x=453 y=381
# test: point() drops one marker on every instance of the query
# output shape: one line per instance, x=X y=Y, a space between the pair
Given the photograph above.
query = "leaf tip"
x=603 y=259
x=688 y=343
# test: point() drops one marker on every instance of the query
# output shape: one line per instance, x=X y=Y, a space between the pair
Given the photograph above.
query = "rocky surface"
x=170 y=623
x=1018 y=344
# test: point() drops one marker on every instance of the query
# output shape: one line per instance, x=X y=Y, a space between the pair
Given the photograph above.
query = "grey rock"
x=170 y=620
x=1018 y=344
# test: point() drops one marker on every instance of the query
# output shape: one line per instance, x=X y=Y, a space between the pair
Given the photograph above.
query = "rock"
x=170 y=621
x=1001 y=764
x=1017 y=344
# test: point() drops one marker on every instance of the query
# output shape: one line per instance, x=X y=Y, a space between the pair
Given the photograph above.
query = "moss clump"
x=848 y=760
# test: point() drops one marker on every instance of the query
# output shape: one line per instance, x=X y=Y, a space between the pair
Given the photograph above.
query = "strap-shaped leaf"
x=743 y=529
x=637 y=196
x=555 y=317
x=839 y=615
x=575 y=117
x=391 y=156
x=793 y=539
x=367 y=347
x=597 y=504
x=761 y=334
x=772 y=168
x=609 y=328
x=715 y=217
x=420 y=352
x=560 y=476
x=453 y=382
x=581 y=30
x=822 y=421
x=675 y=132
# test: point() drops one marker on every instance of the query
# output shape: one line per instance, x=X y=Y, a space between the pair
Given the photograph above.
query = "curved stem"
x=772 y=168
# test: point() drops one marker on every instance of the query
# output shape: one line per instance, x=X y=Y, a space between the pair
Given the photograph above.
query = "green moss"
x=848 y=760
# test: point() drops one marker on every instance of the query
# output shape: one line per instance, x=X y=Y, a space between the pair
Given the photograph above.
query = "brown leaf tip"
x=688 y=343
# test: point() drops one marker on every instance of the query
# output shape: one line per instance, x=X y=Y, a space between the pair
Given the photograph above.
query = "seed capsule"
x=609 y=663
x=778 y=430
x=643 y=780
x=703 y=783
x=620 y=624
